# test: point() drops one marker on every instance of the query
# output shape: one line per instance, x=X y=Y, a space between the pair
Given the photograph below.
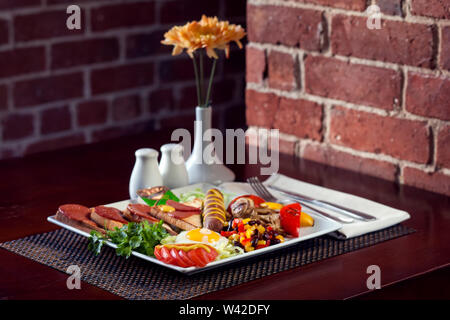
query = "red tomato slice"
x=197 y=258
x=184 y=256
x=257 y=200
x=166 y=256
x=205 y=256
x=157 y=253
x=212 y=254
x=177 y=260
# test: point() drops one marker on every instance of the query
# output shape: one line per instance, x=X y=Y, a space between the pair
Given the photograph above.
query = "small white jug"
x=145 y=173
x=172 y=166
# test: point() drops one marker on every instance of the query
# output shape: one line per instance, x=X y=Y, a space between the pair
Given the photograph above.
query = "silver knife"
x=325 y=204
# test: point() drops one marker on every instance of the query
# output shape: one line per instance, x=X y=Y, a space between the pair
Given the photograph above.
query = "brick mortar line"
x=87 y=22
x=354 y=60
x=87 y=95
x=335 y=102
x=406 y=8
x=326 y=122
x=156 y=59
x=361 y=154
x=433 y=129
x=67 y=71
x=328 y=19
x=333 y=10
x=77 y=100
x=301 y=57
x=43 y=7
x=88 y=35
x=73 y=117
x=439 y=47
x=21 y=144
x=87 y=83
x=99 y=35
x=404 y=89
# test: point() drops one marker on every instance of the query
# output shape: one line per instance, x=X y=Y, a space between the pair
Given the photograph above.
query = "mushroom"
x=243 y=208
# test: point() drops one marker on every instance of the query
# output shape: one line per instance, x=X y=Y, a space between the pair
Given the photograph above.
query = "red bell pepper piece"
x=227 y=234
x=290 y=218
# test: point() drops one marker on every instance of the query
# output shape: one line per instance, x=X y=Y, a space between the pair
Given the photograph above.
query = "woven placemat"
x=134 y=278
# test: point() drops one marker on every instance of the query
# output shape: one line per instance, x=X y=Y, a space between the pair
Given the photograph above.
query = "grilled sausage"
x=214 y=213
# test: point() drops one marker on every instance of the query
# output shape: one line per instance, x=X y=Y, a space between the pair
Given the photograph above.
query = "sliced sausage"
x=75 y=211
x=110 y=213
x=141 y=210
x=77 y=216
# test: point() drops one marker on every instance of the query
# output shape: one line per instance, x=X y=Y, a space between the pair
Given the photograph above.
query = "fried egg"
x=202 y=235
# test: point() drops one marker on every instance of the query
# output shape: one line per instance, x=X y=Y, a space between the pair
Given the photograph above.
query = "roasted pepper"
x=290 y=218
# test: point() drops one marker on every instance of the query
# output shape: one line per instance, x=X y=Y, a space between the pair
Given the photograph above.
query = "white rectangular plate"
x=321 y=226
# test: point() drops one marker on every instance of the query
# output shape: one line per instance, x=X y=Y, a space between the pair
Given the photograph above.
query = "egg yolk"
x=203 y=235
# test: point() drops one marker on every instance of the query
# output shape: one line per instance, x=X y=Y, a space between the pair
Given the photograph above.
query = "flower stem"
x=208 y=93
x=197 y=82
x=202 y=86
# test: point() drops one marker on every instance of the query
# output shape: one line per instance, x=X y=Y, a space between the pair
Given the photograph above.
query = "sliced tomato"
x=257 y=200
x=193 y=256
x=157 y=253
x=166 y=256
x=203 y=255
x=197 y=257
x=184 y=256
x=177 y=260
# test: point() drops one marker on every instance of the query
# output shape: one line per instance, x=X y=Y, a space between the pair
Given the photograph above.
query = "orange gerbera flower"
x=208 y=33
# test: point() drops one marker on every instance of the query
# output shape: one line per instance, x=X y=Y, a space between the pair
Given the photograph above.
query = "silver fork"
x=262 y=191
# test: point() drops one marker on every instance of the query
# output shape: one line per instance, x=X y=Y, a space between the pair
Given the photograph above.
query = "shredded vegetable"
x=198 y=193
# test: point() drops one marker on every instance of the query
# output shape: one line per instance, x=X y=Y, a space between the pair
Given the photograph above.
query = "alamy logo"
x=374 y=20
x=74 y=281
x=374 y=281
x=73 y=22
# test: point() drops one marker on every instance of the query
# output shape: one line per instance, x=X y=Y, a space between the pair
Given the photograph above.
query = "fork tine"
x=261 y=192
x=266 y=192
x=252 y=183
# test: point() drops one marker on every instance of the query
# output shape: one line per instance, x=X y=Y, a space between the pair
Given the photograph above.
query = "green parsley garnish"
x=141 y=237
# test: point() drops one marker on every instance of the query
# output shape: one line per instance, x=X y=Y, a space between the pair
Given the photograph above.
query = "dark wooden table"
x=414 y=266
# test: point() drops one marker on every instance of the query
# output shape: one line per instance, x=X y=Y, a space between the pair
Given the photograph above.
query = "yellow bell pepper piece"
x=272 y=205
x=306 y=220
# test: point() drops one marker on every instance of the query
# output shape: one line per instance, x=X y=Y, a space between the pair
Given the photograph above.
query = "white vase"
x=198 y=169
x=145 y=173
x=172 y=166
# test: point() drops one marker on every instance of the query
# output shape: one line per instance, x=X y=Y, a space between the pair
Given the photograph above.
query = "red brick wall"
x=60 y=88
x=374 y=101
